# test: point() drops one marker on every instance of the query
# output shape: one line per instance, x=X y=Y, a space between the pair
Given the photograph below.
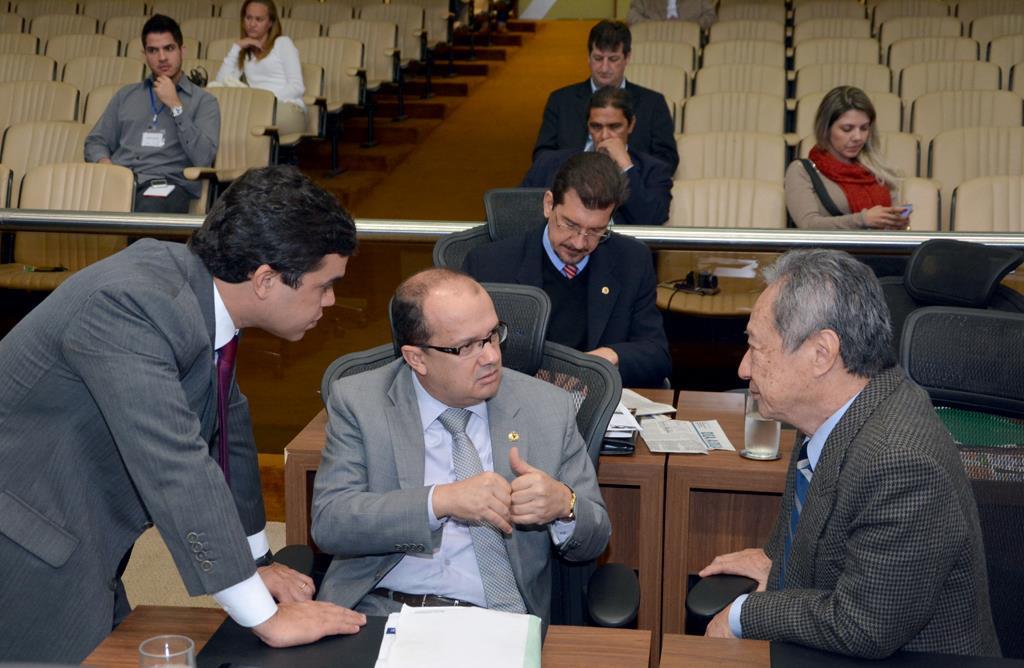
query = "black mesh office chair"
x=971 y=363
x=510 y=211
x=609 y=595
x=944 y=272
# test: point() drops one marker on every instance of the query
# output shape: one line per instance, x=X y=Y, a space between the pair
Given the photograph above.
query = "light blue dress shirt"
x=452 y=569
x=814 y=447
x=553 y=256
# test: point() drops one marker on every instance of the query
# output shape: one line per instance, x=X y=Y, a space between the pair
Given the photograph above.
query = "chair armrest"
x=196 y=173
x=714 y=593
x=296 y=557
x=391 y=52
x=613 y=596
x=260 y=130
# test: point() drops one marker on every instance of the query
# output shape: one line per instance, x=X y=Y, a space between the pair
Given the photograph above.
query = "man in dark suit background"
x=602 y=285
x=610 y=122
x=877 y=545
x=565 y=115
x=119 y=410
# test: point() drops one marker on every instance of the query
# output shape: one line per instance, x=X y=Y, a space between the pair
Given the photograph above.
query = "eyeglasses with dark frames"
x=497 y=337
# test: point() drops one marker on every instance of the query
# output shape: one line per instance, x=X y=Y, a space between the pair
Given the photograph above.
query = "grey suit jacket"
x=108 y=411
x=888 y=554
x=370 y=503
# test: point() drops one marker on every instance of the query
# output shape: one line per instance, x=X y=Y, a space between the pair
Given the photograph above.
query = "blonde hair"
x=837 y=102
x=275 y=31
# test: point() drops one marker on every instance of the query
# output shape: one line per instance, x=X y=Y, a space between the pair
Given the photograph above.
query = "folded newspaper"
x=681 y=437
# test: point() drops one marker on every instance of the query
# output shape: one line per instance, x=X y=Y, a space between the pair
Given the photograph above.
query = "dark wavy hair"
x=273 y=216
x=608 y=35
x=158 y=23
x=597 y=180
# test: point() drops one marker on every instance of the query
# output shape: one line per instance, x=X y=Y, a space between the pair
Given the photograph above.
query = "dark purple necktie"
x=225 y=368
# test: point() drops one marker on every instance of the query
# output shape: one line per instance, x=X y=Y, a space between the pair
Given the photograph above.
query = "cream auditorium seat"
x=731 y=155
x=727 y=203
x=26 y=67
x=734 y=112
x=989 y=204
x=67 y=187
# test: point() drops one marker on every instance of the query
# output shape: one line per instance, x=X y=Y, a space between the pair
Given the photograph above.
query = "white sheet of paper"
x=622 y=424
x=454 y=637
x=159 y=191
x=387 y=640
x=641 y=405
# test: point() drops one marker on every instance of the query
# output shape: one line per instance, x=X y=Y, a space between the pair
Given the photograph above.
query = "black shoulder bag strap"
x=819 y=188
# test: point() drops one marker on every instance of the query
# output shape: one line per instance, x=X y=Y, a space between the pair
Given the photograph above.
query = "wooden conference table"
x=565 y=645
x=633 y=487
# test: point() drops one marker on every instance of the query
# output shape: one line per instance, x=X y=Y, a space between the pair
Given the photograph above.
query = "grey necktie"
x=488 y=544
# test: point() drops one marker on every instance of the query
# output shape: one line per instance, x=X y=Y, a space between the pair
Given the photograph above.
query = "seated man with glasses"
x=446 y=479
x=601 y=285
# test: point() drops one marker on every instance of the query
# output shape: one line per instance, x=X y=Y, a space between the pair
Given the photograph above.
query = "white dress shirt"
x=248 y=602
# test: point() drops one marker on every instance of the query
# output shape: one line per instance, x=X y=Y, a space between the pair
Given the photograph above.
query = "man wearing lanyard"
x=160 y=126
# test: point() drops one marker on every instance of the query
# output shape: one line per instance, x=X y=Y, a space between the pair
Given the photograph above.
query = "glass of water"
x=167 y=652
x=760 y=434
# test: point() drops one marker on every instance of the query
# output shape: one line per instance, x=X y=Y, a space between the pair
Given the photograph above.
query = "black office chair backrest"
x=450 y=251
x=945 y=272
x=512 y=211
x=967 y=358
x=971 y=362
x=594 y=384
x=352 y=363
x=526 y=310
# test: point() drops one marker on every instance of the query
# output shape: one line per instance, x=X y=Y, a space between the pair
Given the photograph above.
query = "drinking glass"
x=760 y=434
x=167 y=652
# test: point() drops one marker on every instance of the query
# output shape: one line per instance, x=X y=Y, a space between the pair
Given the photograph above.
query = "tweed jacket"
x=888 y=554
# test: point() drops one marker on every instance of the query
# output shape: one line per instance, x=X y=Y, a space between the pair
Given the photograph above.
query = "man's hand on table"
x=300 y=623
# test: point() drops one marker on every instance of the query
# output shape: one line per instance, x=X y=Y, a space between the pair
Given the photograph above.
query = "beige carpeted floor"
x=152 y=579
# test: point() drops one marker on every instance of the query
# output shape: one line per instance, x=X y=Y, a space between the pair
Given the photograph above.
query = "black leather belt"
x=421 y=600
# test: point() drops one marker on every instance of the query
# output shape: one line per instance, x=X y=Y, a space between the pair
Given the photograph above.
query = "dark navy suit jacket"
x=565 y=122
x=622 y=312
x=650 y=185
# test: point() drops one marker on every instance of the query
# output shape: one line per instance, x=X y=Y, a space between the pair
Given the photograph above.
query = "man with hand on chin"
x=159 y=126
x=610 y=121
x=446 y=479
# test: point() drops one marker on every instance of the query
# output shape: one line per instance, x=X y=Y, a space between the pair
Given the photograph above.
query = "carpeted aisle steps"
x=487 y=140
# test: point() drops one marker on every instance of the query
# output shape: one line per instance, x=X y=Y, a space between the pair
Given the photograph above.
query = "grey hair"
x=829 y=289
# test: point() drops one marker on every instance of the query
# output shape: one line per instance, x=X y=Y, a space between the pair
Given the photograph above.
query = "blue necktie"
x=803 y=482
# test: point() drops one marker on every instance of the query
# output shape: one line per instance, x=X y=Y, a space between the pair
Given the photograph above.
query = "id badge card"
x=153 y=138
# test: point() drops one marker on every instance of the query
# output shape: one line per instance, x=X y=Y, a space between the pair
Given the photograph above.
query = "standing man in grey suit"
x=119 y=410
x=564 y=124
x=877 y=545
x=448 y=480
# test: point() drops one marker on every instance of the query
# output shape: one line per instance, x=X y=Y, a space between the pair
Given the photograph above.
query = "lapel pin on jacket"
x=604 y=290
x=513 y=436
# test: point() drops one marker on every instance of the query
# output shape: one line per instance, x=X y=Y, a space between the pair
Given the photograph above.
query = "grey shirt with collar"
x=190 y=139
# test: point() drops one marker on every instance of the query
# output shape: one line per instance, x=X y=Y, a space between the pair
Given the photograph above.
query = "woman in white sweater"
x=270 y=61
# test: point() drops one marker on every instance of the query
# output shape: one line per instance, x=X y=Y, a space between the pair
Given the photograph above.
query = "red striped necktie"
x=570 y=271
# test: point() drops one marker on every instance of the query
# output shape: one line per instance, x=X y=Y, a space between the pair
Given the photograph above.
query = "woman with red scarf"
x=862 y=189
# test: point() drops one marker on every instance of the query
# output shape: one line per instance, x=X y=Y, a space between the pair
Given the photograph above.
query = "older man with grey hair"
x=877 y=546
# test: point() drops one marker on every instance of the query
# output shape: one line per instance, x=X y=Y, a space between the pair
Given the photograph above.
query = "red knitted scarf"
x=859 y=183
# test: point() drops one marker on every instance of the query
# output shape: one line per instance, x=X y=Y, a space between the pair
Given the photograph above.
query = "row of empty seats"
x=186 y=9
